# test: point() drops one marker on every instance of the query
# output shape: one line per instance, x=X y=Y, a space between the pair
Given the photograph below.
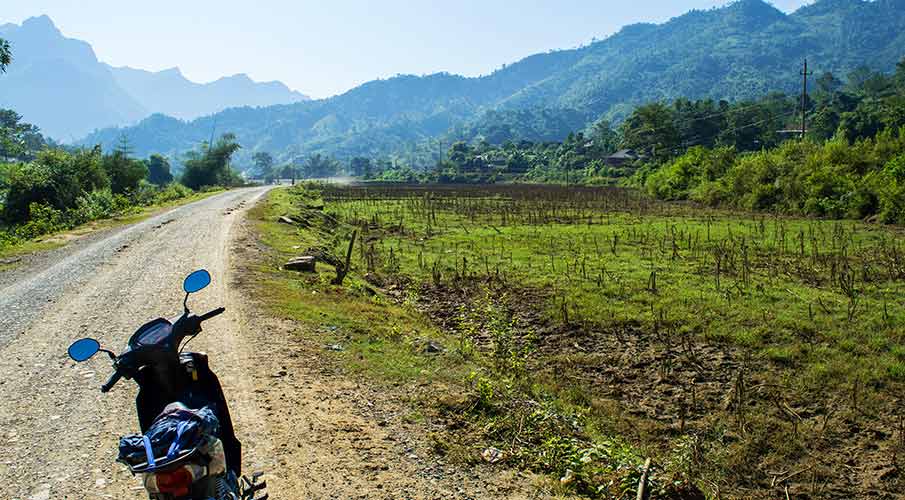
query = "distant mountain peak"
x=41 y=23
x=751 y=14
x=238 y=77
x=57 y=83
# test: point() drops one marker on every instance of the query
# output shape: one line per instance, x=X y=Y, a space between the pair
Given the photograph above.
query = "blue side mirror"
x=196 y=281
x=84 y=349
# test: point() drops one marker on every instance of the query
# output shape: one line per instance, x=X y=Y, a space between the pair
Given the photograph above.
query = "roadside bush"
x=8 y=238
x=172 y=192
x=44 y=219
x=60 y=190
x=100 y=204
x=144 y=194
x=56 y=179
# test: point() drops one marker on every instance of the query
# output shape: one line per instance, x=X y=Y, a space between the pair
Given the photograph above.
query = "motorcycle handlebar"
x=112 y=381
x=216 y=312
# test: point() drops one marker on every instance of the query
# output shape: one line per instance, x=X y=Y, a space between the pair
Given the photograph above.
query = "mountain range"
x=743 y=50
x=58 y=84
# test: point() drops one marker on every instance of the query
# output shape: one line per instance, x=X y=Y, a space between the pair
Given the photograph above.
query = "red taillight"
x=177 y=482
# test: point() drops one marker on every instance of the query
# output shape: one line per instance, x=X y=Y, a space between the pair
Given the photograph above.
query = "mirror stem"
x=185 y=303
x=109 y=353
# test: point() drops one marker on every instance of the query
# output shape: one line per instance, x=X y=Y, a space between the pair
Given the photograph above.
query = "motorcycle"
x=187 y=449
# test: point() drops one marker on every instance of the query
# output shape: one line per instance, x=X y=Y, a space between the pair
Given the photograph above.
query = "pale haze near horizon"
x=325 y=49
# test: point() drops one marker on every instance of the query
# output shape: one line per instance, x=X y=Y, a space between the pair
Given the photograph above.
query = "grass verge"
x=61 y=238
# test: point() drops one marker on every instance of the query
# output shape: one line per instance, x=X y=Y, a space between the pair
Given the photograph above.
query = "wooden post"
x=343 y=270
x=642 y=483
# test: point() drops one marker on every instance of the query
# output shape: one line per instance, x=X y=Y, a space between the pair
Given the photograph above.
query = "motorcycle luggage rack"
x=162 y=463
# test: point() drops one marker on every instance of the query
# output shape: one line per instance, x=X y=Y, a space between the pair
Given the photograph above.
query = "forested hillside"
x=744 y=50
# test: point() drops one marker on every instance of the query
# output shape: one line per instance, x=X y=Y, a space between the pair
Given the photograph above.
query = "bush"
x=679 y=178
x=835 y=179
x=172 y=192
x=95 y=205
x=56 y=179
x=44 y=219
x=60 y=190
x=890 y=188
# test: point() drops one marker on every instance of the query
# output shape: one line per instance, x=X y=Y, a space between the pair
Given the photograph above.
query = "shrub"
x=171 y=192
x=44 y=219
x=835 y=179
x=890 y=189
x=56 y=179
x=95 y=205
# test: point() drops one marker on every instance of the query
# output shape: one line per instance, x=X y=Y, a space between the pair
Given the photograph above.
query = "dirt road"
x=315 y=432
x=58 y=433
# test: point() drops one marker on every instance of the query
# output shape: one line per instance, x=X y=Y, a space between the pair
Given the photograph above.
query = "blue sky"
x=323 y=48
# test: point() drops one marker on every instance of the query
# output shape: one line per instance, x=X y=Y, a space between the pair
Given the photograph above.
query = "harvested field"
x=749 y=355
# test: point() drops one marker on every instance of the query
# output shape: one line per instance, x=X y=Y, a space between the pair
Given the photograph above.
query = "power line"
x=692 y=140
x=719 y=113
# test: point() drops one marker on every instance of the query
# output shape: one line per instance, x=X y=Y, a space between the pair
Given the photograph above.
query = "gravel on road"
x=58 y=433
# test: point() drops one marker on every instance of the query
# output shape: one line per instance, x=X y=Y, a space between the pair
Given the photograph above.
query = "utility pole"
x=210 y=144
x=804 y=98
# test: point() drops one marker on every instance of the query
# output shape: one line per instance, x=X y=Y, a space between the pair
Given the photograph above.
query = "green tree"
x=899 y=77
x=828 y=84
x=6 y=55
x=159 y=170
x=605 y=139
x=18 y=141
x=651 y=129
x=263 y=164
x=319 y=166
x=865 y=121
x=360 y=167
x=289 y=172
x=124 y=172
x=209 y=166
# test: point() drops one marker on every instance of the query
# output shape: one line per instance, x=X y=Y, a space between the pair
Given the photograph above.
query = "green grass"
x=60 y=239
x=769 y=310
x=379 y=338
x=594 y=267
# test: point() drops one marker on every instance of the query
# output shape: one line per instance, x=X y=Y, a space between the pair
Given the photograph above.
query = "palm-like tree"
x=6 y=55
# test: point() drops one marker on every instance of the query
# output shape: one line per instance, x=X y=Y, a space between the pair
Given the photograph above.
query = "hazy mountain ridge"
x=746 y=49
x=58 y=84
x=171 y=93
